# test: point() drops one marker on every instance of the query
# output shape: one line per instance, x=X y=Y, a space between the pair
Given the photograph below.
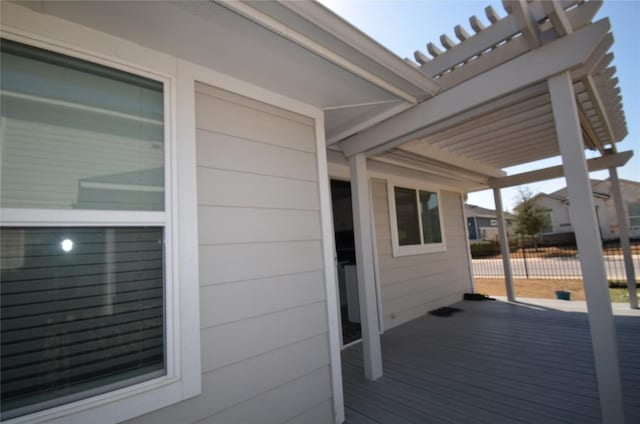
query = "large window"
x=416 y=221
x=634 y=213
x=84 y=230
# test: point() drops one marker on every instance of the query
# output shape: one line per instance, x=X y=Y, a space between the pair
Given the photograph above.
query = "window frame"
x=182 y=377
x=633 y=217
x=415 y=249
x=548 y=225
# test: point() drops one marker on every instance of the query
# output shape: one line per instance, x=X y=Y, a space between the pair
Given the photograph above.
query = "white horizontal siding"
x=234 y=188
x=411 y=286
x=316 y=415
x=280 y=403
x=239 y=340
x=219 y=151
x=225 y=263
x=244 y=118
x=224 y=303
x=264 y=328
x=231 y=389
x=249 y=225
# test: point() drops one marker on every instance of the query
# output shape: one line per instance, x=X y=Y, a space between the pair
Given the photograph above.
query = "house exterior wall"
x=413 y=285
x=630 y=193
x=559 y=213
x=264 y=334
x=606 y=215
x=266 y=354
x=487 y=228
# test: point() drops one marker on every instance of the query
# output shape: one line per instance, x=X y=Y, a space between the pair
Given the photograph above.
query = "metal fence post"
x=524 y=257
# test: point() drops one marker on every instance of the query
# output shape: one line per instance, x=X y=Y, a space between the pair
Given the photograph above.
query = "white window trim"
x=418 y=249
x=182 y=335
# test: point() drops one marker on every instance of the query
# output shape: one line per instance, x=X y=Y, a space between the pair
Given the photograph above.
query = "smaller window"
x=548 y=222
x=416 y=222
x=634 y=214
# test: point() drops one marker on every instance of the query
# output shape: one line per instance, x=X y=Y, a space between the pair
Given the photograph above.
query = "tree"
x=530 y=218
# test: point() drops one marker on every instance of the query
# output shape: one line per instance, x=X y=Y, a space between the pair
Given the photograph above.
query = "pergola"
x=533 y=84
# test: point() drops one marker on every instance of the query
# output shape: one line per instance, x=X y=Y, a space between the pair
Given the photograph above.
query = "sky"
x=404 y=26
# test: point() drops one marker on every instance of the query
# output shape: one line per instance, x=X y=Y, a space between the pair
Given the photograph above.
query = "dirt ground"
x=541 y=289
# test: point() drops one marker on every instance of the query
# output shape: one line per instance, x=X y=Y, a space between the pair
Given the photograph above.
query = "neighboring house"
x=482 y=224
x=556 y=206
x=168 y=247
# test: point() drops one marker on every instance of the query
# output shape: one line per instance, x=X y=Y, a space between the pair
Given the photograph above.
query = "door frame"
x=376 y=270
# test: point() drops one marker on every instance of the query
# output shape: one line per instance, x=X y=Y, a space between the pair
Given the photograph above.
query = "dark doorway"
x=346 y=261
x=473 y=228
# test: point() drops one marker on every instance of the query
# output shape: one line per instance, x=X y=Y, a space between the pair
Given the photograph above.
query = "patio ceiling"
x=494 y=108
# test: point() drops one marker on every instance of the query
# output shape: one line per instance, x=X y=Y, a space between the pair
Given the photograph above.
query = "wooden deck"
x=494 y=362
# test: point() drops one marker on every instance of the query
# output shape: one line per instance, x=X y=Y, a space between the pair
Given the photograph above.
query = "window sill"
x=113 y=407
x=418 y=249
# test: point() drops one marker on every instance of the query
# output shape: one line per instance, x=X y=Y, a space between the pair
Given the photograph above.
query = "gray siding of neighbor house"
x=630 y=193
x=413 y=285
x=264 y=331
x=484 y=222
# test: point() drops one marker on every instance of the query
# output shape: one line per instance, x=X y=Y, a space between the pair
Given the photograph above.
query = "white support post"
x=581 y=212
x=504 y=245
x=372 y=352
x=623 y=227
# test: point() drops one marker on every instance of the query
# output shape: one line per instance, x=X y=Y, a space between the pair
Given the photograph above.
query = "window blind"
x=81 y=311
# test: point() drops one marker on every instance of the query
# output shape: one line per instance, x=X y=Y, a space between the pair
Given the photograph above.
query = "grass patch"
x=545 y=288
x=619 y=295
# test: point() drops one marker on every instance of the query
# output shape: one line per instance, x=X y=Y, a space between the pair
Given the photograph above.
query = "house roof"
x=600 y=188
x=479 y=211
x=563 y=194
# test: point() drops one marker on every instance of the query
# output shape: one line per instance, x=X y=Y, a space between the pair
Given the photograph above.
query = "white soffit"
x=318 y=23
x=208 y=34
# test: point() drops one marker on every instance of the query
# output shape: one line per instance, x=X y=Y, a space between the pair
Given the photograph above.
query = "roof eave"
x=324 y=18
x=423 y=85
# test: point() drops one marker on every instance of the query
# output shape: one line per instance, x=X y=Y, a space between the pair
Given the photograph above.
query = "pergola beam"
x=584 y=222
x=504 y=246
x=565 y=53
x=608 y=161
x=623 y=227
x=361 y=203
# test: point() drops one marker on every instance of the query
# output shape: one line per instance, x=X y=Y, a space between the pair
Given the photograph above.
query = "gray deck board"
x=493 y=362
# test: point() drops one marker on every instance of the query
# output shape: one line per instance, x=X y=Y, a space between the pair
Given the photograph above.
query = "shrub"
x=484 y=249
